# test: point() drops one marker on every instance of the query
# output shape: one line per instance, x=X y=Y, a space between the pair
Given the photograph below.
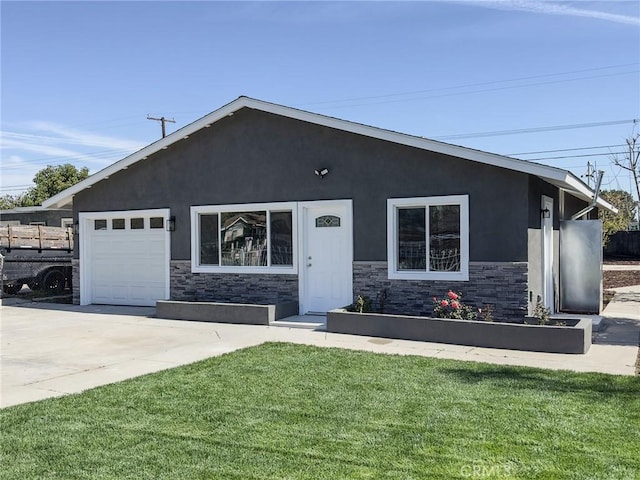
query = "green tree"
x=50 y=181
x=614 y=222
x=10 y=201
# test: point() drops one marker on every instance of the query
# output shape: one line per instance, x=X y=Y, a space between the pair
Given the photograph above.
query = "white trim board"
x=561 y=178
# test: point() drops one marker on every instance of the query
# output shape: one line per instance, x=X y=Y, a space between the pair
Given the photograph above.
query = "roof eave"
x=564 y=178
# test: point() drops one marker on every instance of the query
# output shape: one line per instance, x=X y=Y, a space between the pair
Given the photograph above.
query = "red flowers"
x=452 y=307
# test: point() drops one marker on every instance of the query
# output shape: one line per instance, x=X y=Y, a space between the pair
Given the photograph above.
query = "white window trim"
x=392 y=237
x=196 y=211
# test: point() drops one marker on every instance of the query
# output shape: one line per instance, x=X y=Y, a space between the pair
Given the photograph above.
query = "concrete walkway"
x=50 y=350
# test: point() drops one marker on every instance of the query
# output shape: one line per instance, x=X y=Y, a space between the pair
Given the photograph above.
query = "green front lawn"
x=289 y=411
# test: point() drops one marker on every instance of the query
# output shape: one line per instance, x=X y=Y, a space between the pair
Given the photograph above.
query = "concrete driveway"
x=50 y=350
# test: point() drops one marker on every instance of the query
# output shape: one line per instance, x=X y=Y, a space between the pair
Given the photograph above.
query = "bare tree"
x=631 y=161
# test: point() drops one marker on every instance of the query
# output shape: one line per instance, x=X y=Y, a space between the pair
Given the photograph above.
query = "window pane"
x=137 y=223
x=281 y=238
x=117 y=224
x=99 y=224
x=209 y=240
x=444 y=238
x=328 y=221
x=244 y=239
x=156 y=222
x=412 y=239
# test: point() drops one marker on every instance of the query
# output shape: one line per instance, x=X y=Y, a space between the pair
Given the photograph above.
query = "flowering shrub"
x=452 y=307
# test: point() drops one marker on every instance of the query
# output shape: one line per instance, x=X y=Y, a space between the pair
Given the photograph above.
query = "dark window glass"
x=117 y=224
x=99 y=224
x=209 y=251
x=243 y=238
x=137 y=223
x=281 y=238
x=156 y=222
x=411 y=239
x=444 y=238
x=328 y=221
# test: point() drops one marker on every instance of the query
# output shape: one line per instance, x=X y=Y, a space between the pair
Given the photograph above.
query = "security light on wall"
x=321 y=172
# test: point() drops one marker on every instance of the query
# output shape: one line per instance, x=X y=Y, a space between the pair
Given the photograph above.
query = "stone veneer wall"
x=230 y=287
x=75 y=281
x=501 y=285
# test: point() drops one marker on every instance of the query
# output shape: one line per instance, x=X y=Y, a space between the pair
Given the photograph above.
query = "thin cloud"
x=555 y=8
x=56 y=153
x=27 y=148
x=78 y=137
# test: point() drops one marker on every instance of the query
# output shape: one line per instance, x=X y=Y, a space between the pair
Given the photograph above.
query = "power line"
x=494 y=82
x=574 y=156
x=102 y=154
x=566 y=150
x=536 y=129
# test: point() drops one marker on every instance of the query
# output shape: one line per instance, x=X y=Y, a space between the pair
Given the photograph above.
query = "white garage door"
x=124 y=257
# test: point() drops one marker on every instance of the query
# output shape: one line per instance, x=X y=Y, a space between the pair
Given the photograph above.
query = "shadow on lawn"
x=597 y=384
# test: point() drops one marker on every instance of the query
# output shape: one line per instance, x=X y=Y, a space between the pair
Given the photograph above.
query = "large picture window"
x=243 y=238
x=428 y=238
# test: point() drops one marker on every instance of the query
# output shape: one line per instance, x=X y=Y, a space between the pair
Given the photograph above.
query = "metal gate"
x=581 y=266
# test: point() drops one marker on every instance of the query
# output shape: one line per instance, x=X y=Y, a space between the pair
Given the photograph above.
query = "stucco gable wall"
x=255 y=156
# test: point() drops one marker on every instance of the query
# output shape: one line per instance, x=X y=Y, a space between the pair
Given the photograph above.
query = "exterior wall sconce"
x=76 y=228
x=171 y=224
x=321 y=172
x=546 y=213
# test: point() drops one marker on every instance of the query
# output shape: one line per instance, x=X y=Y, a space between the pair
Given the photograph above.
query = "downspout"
x=593 y=202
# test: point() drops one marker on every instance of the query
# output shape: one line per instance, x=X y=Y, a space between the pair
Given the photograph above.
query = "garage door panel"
x=128 y=267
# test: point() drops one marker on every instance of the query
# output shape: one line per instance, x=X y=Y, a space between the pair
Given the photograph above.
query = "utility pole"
x=162 y=120
x=591 y=172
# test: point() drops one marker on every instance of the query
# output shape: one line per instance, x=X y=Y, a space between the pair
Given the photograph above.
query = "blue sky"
x=79 y=78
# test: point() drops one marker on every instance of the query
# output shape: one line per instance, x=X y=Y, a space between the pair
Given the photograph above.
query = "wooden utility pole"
x=162 y=120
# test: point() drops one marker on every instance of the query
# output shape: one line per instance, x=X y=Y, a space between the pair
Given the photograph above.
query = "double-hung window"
x=428 y=238
x=251 y=238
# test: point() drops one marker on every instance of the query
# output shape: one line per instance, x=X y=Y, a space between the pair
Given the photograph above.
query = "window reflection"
x=209 y=251
x=243 y=239
x=281 y=238
x=444 y=238
x=412 y=242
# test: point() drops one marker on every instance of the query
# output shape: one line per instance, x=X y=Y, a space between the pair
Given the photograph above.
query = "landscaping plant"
x=452 y=307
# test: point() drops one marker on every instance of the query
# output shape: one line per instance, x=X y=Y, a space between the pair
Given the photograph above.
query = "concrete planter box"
x=225 y=312
x=575 y=337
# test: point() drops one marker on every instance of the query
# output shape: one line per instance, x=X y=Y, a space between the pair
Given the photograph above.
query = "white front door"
x=547 y=253
x=326 y=279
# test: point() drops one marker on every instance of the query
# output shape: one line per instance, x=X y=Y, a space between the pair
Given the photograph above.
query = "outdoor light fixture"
x=321 y=172
x=546 y=213
x=171 y=224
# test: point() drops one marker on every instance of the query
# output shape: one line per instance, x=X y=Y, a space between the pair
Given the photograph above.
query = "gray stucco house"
x=262 y=203
x=37 y=216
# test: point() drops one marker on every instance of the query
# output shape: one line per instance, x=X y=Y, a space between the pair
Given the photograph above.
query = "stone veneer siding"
x=230 y=287
x=501 y=285
x=75 y=281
